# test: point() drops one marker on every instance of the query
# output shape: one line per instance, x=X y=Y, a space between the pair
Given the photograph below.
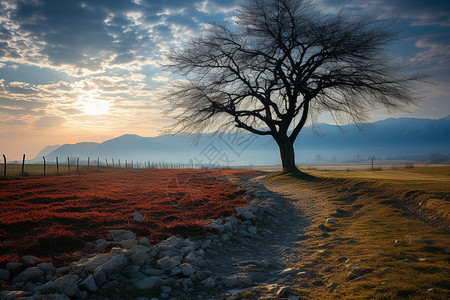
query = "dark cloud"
x=89 y=34
x=430 y=12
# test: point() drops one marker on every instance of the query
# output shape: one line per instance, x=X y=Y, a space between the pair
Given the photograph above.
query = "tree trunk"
x=287 y=156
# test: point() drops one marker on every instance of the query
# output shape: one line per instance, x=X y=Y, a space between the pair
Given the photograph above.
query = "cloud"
x=431 y=12
x=50 y=121
x=85 y=37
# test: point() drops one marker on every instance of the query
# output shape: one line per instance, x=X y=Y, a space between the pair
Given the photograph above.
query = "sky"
x=90 y=70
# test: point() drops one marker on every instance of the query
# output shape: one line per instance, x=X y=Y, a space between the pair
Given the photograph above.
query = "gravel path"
x=262 y=262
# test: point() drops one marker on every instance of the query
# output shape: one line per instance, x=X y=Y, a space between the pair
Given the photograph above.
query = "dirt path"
x=264 y=262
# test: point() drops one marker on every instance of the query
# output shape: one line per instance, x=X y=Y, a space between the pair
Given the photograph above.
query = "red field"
x=52 y=217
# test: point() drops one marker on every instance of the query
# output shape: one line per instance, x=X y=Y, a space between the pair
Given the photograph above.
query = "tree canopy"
x=284 y=62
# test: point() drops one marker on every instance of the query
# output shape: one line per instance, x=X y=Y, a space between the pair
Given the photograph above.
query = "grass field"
x=53 y=216
x=393 y=226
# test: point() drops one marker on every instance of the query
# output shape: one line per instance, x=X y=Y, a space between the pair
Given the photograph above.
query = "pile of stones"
x=176 y=264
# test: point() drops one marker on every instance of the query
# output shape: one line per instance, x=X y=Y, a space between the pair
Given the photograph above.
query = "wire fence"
x=60 y=165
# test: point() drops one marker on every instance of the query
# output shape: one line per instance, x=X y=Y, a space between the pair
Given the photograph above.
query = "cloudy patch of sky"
x=77 y=70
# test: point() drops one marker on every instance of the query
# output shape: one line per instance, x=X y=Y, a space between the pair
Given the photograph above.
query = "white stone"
x=138 y=217
x=139 y=255
x=119 y=235
x=331 y=221
x=66 y=285
x=127 y=244
x=166 y=263
x=31 y=260
x=90 y=264
x=30 y=274
x=114 y=265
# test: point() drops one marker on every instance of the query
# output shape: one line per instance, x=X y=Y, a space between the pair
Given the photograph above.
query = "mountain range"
x=381 y=139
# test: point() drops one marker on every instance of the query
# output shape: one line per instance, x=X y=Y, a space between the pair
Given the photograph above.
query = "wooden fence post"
x=126 y=163
x=4 y=170
x=68 y=163
x=78 y=160
x=44 y=163
x=57 y=166
x=23 y=163
x=112 y=162
x=98 y=162
x=88 y=162
x=119 y=162
x=106 y=162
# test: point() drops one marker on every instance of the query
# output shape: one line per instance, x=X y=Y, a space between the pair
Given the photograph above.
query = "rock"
x=219 y=228
x=66 y=285
x=4 y=274
x=138 y=217
x=152 y=272
x=147 y=283
x=248 y=215
x=88 y=284
x=46 y=267
x=187 y=269
x=342 y=259
x=11 y=295
x=356 y=272
x=166 y=263
x=31 y=260
x=252 y=230
x=283 y=291
x=340 y=211
x=172 y=242
x=90 y=264
x=232 y=220
x=231 y=281
x=139 y=255
x=209 y=282
x=127 y=244
x=293 y=297
x=144 y=242
x=387 y=270
x=29 y=275
x=195 y=260
x=61 y=270
x=13 y=266
x=331 y=221
x=119 y=235
x=100 y=277
x=114 y=265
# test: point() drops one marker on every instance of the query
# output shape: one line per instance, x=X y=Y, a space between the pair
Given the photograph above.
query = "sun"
x=94 y=107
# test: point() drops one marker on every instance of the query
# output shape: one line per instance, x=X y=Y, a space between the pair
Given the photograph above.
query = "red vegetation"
x=52 y=217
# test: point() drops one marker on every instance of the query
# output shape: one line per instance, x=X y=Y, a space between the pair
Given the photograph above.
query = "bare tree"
x=280 y=64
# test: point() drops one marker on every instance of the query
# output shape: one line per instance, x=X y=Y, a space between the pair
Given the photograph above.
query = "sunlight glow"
x=94 y=107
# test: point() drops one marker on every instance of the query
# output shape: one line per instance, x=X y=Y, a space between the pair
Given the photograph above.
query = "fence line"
x=71 y=161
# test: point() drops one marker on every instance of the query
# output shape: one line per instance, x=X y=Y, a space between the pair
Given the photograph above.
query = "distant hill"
x=387 y=138
x=47 y=150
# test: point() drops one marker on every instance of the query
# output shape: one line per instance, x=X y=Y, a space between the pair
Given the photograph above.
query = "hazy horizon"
x=93 y=74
